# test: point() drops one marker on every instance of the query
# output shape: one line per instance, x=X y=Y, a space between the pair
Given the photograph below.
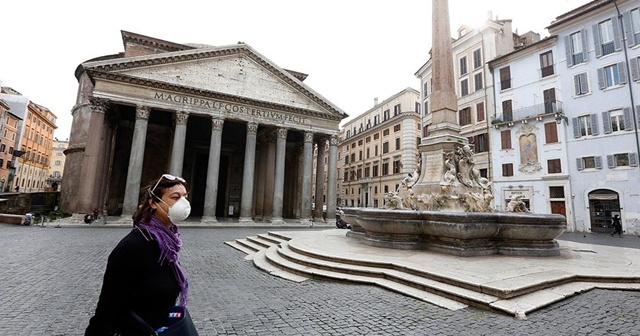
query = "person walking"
x=143 y=277
x=617 y=226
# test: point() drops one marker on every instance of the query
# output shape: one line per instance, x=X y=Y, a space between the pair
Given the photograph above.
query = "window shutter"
x=606 y=122
x=623 y=72
x=617 y=38
x=576 y=128
x=567 y=50
x=634 y=69
x=626 y=19
x=583 y=82
x=638 y=115
x=628 y=119
x=598 y=162
x=601 y=78
x=610 y=162
x=585 y=54
x=595 y=130
x=633 y=159
x=579 y=164
x=576 y=84
x=596 y=40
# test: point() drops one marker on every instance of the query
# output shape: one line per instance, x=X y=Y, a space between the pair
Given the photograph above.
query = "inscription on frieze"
x=433 y=167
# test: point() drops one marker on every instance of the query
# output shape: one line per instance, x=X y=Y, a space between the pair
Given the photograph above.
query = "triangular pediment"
x=236 y=71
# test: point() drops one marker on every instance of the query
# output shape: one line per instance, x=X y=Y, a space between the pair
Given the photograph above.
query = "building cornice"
x=152 y=42
x=203 y=53
x=122 y=78
x=545 y=43
x=379 y=105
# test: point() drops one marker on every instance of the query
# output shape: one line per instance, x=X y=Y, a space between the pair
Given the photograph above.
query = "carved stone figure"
x=517 y=205
x=393 y=200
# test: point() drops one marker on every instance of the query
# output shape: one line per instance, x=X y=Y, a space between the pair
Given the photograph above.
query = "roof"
x=574 y=13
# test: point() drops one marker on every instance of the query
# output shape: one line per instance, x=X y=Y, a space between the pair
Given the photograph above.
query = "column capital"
x=142 y=112
x=252 y=128
x=282 y=133
x=308 y=136
x=333 y=140
x=182 y=117
x=217 y=123
x=99 y=105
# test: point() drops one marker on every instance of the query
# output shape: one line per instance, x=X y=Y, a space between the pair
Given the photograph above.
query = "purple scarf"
x=170 y=243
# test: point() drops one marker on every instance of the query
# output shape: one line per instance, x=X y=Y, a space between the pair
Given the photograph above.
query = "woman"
x=143 y=274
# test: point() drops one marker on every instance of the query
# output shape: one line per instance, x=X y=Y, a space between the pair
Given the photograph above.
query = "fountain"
x=445 y=205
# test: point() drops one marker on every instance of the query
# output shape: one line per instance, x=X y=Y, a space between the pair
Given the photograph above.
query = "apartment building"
x=8 y=130
x=56 y=164
x=472 y=48
x=597 y=61
x=529 y=147
x=379 y=148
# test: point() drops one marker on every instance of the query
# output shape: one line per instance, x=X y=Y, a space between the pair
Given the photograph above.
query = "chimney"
x=489 y=15
x=375 y=101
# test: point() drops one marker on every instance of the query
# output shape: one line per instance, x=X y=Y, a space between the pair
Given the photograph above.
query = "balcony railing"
x=529 y=112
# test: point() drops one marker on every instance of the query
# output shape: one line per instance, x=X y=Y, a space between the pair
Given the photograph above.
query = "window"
x=507 y=169
x=367 y=171
x=386 y=188
x=622 y=160
x=368 y=139
x=396 y=166
x=463 y=66
x=375 y=170
x=396 y=128
x=376 y=150
x=549 y=97
x=612 y=75
x=477 y=59
x=480 y=143
x=546 y=63
x=551 y=132
x=385 y=169
x=397 y=143
x=353 y=157
x=360 y=142
x=386 y=114
x=353 y=145
x=359 y=173
x=425 y=89
x=396 y=110
x=464 y=87
x=417 y=108
x=2 y=149
x=507 y=113
x=505 y=78
x=359 y=155
x=385 y=147
x=556 y=192
x=58 y=163
x=633 y=34
x=589 y=162
x=580 y=84
x=615 y=121
x=480 y=111
x=606 y=36
x=368 y=152
x=505 y=139
x=376 y=136
x=426 y=108
x=477 y=81
x=385 y=132
x=465 y=116
x=574 y=47
x=554 y=166
x=585 y=125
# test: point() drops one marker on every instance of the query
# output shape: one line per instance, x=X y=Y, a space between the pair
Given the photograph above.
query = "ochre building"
x=240 y=129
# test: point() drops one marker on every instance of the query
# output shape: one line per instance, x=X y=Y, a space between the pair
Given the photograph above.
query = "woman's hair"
x=145 y=211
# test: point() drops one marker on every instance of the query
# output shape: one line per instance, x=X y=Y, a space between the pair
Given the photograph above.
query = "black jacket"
x=134 y=280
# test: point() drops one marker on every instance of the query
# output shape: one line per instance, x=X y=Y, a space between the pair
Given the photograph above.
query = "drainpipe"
x=626 y=61
x=486 y=108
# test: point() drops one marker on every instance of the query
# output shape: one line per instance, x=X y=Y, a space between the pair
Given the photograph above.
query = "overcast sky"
x=353 y=51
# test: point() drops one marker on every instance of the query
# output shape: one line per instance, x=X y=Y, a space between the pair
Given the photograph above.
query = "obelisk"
x=444 y=131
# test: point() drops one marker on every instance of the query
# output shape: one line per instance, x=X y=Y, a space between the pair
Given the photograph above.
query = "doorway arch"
x=603 y=205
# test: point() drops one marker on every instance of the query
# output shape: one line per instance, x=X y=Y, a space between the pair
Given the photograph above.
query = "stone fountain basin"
x=458 y=233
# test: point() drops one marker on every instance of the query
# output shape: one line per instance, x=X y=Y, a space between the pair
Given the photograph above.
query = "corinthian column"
x=319 y=201
x=307 y=174
x=134 y=173
x=331 y=180
x=88 y=193
x=246 y=203
x=213 y=170
x=177 y=150
x=278 y=188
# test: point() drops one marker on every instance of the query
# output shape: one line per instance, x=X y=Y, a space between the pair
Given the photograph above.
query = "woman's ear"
x=152 y=204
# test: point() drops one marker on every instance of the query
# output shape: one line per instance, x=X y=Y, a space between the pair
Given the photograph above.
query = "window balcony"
x=529 y=112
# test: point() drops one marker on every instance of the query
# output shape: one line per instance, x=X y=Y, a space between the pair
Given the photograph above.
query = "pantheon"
x=240 y=129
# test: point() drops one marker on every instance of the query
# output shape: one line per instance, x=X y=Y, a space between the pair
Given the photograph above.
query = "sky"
x=353 y=51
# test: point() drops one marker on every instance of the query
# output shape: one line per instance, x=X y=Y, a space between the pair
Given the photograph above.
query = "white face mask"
x=179 y=211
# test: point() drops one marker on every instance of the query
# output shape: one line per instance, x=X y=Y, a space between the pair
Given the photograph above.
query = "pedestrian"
x=617 y=226
x=143 y=276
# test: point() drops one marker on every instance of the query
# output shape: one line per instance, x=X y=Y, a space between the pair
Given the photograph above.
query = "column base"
x=208 y=220
x=330 y=222
x=306 y=221
x=246 y=220
x=277 y=221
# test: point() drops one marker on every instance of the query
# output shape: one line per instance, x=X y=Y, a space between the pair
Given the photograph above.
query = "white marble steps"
x=257 y=243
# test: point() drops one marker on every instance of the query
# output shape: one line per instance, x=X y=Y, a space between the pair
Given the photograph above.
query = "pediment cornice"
x=116 y=65
x=123 y=78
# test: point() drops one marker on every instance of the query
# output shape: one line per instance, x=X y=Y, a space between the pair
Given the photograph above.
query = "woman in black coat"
x=143 y=273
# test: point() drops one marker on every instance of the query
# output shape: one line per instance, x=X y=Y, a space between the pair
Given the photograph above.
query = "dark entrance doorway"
x=603 y=205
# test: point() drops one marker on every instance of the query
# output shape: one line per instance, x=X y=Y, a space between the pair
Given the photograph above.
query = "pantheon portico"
x=240 y=129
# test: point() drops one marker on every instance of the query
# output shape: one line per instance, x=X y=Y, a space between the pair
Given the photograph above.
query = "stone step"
x=463 y=295
x=273 y=256
x=241 y=248
x=261 y=262
x=273 y=239
x=261 y=242
x=279 y=235
x=250 y=245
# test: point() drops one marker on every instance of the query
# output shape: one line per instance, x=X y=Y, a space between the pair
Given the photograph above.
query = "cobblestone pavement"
x=50 y=280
